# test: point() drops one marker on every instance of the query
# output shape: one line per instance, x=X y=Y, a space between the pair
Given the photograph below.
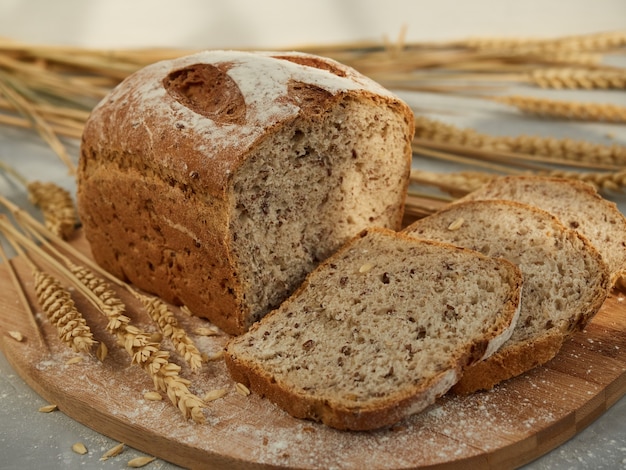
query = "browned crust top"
x=195 y=119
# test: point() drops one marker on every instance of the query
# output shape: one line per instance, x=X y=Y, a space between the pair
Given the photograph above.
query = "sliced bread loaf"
x=565 y=278
x=379 y=330
x=577 y=204
x=218 y=180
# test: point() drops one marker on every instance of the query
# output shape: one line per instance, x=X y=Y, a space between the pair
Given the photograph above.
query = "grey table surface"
x=29 y=439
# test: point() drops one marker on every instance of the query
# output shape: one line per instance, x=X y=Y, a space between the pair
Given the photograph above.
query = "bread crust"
x=159 y=155
x=509 y=363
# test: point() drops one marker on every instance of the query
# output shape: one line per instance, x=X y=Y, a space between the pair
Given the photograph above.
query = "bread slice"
x=565 y=279
x=378 y=331
x=218 y=180
x=577 y=204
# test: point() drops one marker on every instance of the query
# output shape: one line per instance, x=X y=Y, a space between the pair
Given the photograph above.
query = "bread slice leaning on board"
x=379 y=330
x=565 y=279
x=575 y=203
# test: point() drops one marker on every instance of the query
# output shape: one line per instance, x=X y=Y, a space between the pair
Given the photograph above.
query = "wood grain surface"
x=503 y=428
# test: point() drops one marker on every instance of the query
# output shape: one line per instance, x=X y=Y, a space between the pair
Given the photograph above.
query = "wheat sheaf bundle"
x=53 y=298
x=143 y=352
x=73 y=330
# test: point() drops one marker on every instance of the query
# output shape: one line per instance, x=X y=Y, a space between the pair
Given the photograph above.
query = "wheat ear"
x=168 y=324
x=564 y=149
x=577 y=78
x=164 y=374
x=57 y=304
x=57 y=207
x=565 y=109
x=138 y=344
x=55 y=301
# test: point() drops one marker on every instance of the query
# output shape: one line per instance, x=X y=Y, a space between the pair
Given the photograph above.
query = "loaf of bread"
x=575 y=203
x=379 y=330
x=220 y=179
x=565 y=279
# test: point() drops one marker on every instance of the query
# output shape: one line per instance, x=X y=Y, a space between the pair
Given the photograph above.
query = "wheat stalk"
x=565 y=109
x=576 y=78
x=55 y=203
x=57 y=207
x=604 y=41
x=59 y=307
x=9 y=89
x=111 y=305
x=168 y=325
x=55 y=301
x=19 y=289
x=57 y=304
x=602 y=181
x=164 y=374
x=562 y=149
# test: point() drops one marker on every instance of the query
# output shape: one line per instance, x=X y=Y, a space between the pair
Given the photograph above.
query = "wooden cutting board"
x=504 y=428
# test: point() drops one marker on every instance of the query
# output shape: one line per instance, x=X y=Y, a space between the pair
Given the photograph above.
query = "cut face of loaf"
x=378 y=331
x=576 y=204
x=219 y=180
x=565 y=279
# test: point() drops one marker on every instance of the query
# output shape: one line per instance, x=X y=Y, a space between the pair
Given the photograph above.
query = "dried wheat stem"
x=25 y=219
x=111 y=305
x=565 y=109
x=168 y=325
x=7 y=88
x=57 y=207
x=420 y=205
x=55 y=301
x=24 y=123
x=19 y=289
x=31 y=246
x=564 y=58
x=142 y=350
x=72 y=116
x=575 y=78
x=46 y=80
x=9 y=170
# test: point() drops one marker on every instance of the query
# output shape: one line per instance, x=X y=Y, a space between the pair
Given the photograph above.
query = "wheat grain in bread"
x=379 y=330
x=565 y=279
x=576 y=203
x=218 y=180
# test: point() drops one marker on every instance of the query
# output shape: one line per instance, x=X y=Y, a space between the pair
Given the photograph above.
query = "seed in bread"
x=361 y=349
x=565 y=279
x=220 y=179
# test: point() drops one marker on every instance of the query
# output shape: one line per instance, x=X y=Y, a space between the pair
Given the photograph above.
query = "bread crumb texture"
x=360 y=348
x=565 y=279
